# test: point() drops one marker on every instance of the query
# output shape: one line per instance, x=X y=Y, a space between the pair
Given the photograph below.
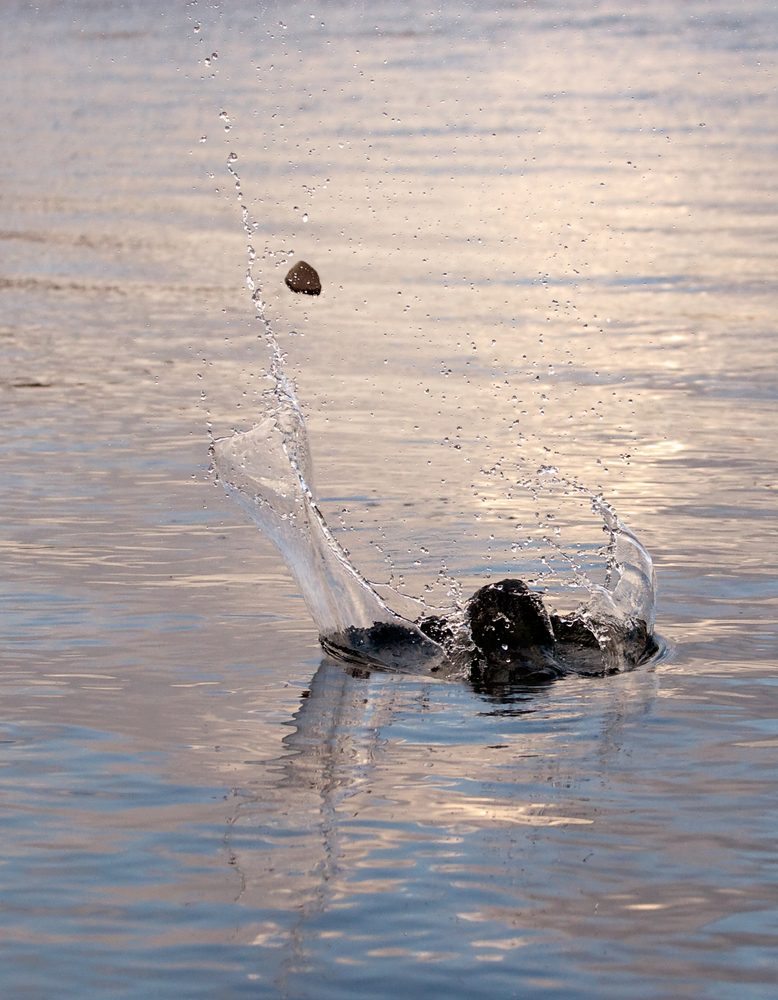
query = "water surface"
x=546 y=236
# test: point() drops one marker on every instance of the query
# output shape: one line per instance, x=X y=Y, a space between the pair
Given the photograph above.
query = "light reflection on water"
x=403 y=820
x=178 y=818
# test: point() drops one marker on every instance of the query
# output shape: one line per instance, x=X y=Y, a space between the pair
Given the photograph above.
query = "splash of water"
x=629 y=590
x=268 y=471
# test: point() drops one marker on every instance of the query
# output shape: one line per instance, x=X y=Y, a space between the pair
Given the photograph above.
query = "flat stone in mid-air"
x=303 y=278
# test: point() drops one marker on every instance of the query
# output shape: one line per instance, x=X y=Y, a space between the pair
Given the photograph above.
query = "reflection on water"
x=392 y=790
x=404 y=821
x=545 y=236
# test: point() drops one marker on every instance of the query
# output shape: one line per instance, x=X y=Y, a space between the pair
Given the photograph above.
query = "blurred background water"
x=547 y=236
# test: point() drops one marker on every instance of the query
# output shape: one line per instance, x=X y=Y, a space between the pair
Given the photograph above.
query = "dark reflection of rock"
x=303 y=278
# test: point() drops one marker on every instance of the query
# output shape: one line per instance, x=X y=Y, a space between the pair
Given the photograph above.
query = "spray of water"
x=269 y=472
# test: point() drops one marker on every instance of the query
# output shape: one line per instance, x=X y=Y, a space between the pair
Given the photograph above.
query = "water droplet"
x=305 y=216
x=232 y=157
x=197 y=26
x=203 y=138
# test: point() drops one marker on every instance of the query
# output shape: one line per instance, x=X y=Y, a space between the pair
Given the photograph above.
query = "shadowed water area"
x=546 y=240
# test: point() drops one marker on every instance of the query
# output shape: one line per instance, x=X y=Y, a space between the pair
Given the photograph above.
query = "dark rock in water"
x=512 y=635
x=574 y=631
x=303 y=278
x=513 y=640
x=602 y=647
x=387 y=645
x=507 y=616
x=437 y=628
x=517 y=641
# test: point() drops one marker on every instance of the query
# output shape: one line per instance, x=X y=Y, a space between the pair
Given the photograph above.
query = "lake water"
x=547 y=237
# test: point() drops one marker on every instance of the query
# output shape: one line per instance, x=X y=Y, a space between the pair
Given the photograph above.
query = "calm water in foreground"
x=546 y=236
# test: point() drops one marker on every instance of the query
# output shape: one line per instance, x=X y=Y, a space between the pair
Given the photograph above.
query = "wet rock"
x=387 y=645
x=303 y=278
x=506 y=617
